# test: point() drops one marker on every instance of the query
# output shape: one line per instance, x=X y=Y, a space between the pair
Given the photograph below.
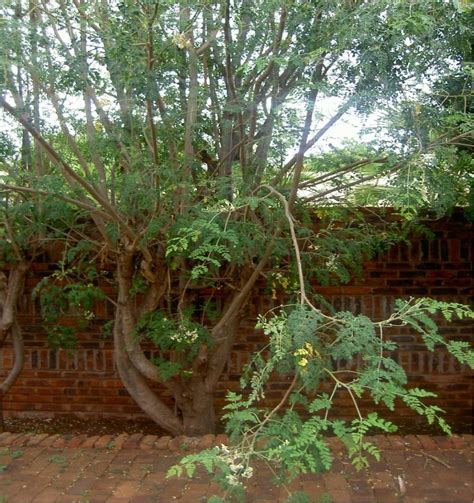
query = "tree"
x=183 y=129
x=26 y=227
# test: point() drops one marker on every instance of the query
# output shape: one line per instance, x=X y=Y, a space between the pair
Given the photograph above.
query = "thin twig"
x=438 y=460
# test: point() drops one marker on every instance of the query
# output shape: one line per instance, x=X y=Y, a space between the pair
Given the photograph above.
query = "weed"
x=56 y=458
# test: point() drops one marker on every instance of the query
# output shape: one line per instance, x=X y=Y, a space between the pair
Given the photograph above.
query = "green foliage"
x=167 y=368
x=418 y=317
x=182 y=334
x=161 y=147
x=309 y=342
x=215 y=499
x=67 y=298
x=301 y=497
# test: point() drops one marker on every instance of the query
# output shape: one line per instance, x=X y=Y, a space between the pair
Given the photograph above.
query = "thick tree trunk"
x=194 y=394
x=10 y=291
x=142 y=393
x=198 y=413
x=19 y=358
x=125 y=351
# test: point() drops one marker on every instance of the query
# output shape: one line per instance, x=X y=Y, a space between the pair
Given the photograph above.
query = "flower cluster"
x=305 y=354
x=237 y=466
x=182 y=41
x=185 y=336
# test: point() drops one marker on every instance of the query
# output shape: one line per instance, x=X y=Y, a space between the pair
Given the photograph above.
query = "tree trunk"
x=132 y=378
x=133 y=367
x=10 y=291
x=194 y=394
x=198 y=413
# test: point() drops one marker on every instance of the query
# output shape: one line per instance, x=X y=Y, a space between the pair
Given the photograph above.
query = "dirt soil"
x=89 y=426
x=115 y=426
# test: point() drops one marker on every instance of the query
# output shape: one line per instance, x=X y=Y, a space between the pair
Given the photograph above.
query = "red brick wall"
x=85 y=382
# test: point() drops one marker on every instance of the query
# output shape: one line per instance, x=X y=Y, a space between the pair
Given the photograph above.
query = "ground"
x=91 y=426
x=100 y=425
x=43 y=468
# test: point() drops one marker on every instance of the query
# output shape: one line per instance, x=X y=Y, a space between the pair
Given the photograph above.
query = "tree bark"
x=139 y=388
x=10 y=291
x=134 y=380
x=198 y=413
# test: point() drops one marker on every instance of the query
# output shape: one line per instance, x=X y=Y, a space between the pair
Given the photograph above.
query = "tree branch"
x=67 y=170
x=312 y=141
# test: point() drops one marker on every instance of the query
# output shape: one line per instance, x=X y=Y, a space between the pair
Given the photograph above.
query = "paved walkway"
x=47 y=469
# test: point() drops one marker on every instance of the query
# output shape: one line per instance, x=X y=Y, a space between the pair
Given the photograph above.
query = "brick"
x=336 y=445
x=21 y=440
x=443 y=442
x=119 y=441
x=75 y=441
x=427 y=442
x=381 y=441
x=37 y=439
x=207 y=441
x=148 y=441
x=458 y=442
x=89 y=442
x=60 y=442
x=8 y=438
x=222 y=439
x=163 y=442
x=178 y=443
x=49 y=440
x=412 y=442
x=396 y=442
x=103 y=442
x=127 y=489
x=5 y=437
x=340 y=497
x=133 y=441
x=386 y=495
x=48 y=495
x=335 y=482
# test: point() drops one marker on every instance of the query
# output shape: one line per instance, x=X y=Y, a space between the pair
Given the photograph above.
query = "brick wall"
x=85 y=382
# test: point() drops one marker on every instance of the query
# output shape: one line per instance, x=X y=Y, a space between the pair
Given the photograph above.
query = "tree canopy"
x=180 y=141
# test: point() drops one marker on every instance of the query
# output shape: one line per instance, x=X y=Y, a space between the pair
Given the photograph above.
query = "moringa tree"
x=29 y=221
x=188 y=132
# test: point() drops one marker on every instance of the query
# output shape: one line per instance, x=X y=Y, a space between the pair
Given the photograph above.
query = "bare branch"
x=327 y=177
x=346 y=186
x=311 y=142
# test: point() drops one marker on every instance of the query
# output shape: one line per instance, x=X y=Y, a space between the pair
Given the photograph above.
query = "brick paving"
x=122 y=469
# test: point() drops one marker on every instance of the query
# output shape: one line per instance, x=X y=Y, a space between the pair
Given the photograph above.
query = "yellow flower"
x=300 y=352
x=303 y=362
x=309 y=348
